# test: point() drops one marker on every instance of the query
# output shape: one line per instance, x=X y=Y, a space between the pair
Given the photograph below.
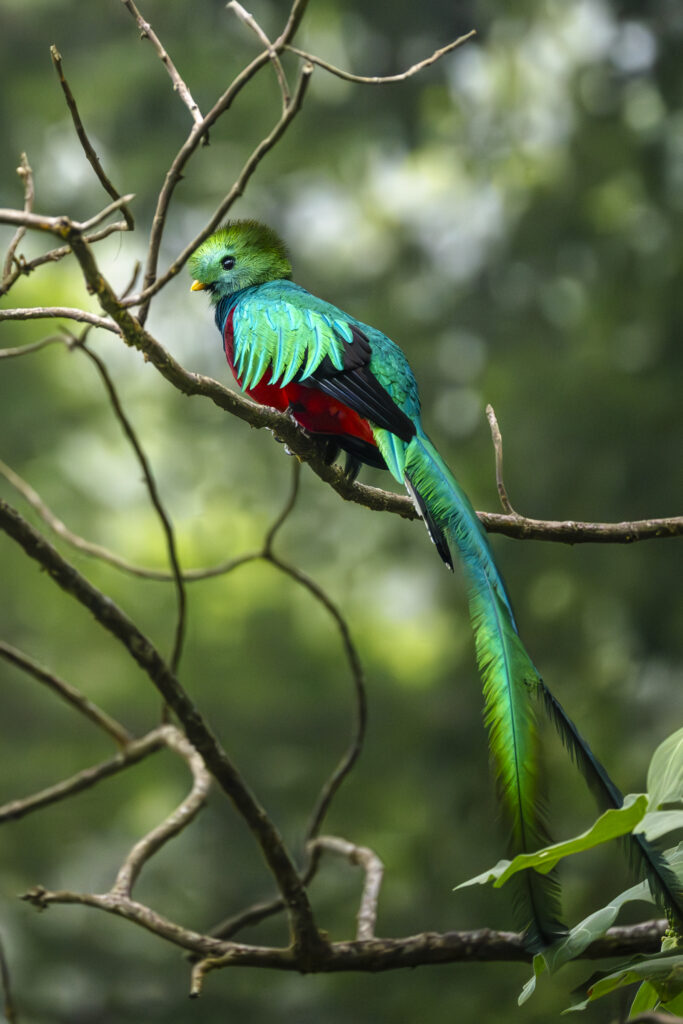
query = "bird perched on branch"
x=346 y=381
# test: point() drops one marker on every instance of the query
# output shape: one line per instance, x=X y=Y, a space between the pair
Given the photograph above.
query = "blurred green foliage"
x=513 y=218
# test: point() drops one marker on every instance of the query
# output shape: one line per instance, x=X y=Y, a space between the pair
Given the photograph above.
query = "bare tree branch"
x=67 y=692
x=175 y=822
x=61 y=224
x=88 y=149
x=55 y=312
x=198 y=133
x=155 y=498
x=356 y=743
x=249 y=20
x=266 y=144
x=132 y=753
x=24 y=267
x=383 y=79
x=304 y=932
x=147 y=32
x=56 y=524
x=374 y=869
x=25 y=350
x=498 y=449
x=373 y=955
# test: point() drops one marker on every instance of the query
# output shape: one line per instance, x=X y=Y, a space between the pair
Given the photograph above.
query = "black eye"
x=228 y=263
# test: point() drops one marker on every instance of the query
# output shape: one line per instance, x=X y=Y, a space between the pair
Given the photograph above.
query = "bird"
x=346 y=382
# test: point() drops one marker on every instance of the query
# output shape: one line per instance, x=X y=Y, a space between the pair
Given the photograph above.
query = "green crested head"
x=240 y=254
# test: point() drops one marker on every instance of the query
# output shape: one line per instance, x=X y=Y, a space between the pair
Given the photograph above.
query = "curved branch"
x=291 y=110
x=67 y=692
x=383 y=79
x=481 y=946
x=87 y=146
x=151 y=284
x=53 y=313
x=175 y=822
x=153 y=491
x=25 y=267
x=130 y=755
x=305 y=935
x=147 y=32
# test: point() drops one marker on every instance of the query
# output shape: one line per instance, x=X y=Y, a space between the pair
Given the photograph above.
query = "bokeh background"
x=513 y=218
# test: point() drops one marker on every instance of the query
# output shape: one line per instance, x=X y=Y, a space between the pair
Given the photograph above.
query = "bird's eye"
x=228 y=263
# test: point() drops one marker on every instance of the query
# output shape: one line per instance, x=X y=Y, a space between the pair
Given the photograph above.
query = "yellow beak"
x=197 y=286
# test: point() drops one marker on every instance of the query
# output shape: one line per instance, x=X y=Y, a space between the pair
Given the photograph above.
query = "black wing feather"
x=357 y=387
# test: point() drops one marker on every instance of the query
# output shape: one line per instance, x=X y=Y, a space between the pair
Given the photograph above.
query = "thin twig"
x=258 y=912
x=119 y=203
x=178 y=820
x=305 y=936
x=132 y=279
x=24 y=171
x=90 y=153
x=266 y=144
x=61 y=225
x=498 y=449
x=155 y=498
x=67 y=692
x=130 y=910
x=24 y=267
x=35 y=346
x=358 y=733
x=250 y=20
x=287 y=510
x=56 y=524
x=374 y=870
x=382 y=79
x=147 y=32
x=175 y=172
x=130 y=755
x=54 y=312
x=296 y=13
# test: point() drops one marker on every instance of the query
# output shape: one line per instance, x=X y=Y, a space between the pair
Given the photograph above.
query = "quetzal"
x=348 y=382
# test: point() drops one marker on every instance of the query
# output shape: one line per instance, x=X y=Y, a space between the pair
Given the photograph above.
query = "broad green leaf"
x=674 y=1005
x=659 y=823
x=646 y=999
x=581 y=935
x=665 y=774
x=664 y=973
x=490 y=875
x=540 y=967
x=610 y=825
x=593 y=927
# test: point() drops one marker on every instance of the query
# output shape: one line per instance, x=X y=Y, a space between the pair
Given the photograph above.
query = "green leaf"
x=674 y=1005
x=646 y=998
x=582 y=934
x=540 y=967
x=610 y=825
x=664 y=974
x=659 y=823
x=593 y=927
x=665 y=774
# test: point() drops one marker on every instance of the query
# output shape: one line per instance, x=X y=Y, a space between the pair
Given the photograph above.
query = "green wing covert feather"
x=289 y=340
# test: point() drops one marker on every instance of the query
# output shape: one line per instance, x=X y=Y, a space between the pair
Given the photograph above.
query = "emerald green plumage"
x=347 y=381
